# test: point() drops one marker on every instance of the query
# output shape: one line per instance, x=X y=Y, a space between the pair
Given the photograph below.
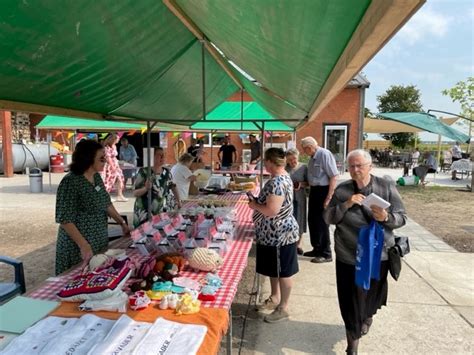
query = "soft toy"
x=187 y=304
x=205 y=260
x=147 y=283
x=169 y=258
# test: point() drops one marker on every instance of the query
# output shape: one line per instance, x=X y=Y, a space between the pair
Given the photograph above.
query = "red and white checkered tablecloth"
x=231 y=271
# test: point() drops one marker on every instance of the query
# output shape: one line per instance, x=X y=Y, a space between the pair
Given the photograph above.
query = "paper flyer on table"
x=376 y=200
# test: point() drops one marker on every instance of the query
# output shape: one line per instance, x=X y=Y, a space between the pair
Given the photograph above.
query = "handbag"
x=395 y=254
x=369 y=253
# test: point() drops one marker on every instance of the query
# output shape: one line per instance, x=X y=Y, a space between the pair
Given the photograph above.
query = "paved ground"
x=431 y=307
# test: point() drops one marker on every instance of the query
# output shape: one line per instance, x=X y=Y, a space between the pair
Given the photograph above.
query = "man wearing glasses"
x=322 y=175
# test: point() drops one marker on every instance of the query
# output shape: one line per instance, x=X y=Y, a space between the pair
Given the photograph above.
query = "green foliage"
x=399 y=98
x=368 y=113
x=463 y=92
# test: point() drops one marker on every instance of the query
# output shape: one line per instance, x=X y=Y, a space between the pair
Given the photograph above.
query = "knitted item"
x=205 y=260
x=186 y=282
x=97 y=285
x=208 y=298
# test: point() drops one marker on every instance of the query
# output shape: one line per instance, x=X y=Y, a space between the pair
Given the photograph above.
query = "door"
x=336 y=141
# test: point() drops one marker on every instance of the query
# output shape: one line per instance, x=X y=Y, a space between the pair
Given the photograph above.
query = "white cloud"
x=425 y=23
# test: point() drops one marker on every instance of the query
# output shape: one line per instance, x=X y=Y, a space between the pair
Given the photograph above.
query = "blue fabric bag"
x=369 y=254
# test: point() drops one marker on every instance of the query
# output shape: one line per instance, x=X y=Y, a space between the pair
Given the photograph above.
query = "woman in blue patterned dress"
x=82 y=207
x=277 y=234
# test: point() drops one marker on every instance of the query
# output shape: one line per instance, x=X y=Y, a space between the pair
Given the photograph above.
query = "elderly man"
x=322 y=175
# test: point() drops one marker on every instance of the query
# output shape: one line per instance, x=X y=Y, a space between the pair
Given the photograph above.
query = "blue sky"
x=434 y=50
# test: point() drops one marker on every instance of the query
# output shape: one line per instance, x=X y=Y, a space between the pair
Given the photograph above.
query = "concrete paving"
x=430 y=308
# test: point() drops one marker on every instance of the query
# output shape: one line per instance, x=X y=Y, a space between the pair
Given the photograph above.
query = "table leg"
x=229 y=334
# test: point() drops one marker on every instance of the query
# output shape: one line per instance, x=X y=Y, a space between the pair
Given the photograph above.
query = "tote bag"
x=369 y=254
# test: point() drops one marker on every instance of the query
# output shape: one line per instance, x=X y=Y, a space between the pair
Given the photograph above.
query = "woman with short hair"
x=299 y=175
x=346 y=211
x=277 y=233
x=158 y=179
x=82 y=208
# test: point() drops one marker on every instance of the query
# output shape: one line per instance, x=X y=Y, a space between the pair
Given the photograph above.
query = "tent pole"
x=242 y=109
x=148 y=161
x=203 y=78
x=416 y=140
x=439 y=149
x=212 y=148
x=262 y=145
x=48 y=140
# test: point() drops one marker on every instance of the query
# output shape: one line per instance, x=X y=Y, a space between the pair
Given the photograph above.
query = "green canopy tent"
x=426 y=122
x=429 y=123
x=240 y=116
x=52 y=122
x=176 y=63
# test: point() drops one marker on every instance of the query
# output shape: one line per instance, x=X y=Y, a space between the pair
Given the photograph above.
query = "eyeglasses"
x=358 y=166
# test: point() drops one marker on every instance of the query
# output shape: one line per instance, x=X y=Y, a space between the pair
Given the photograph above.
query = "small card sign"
x=169 y=230
x=164 y=216
x=136 y=234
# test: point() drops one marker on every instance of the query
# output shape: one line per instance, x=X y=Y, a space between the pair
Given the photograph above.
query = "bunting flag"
x=57 y=133
x=120 y=134
x=79 y=136
x=91 y=135
x=131 y=133
x=143 y=130
x=187 y=134
x=200 y=135
x=242 y=136
x=267 y=135
x=103 y=135
x=70 y=134
x=175 y=134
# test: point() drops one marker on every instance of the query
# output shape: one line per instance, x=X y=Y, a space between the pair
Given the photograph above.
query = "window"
x=217 y=138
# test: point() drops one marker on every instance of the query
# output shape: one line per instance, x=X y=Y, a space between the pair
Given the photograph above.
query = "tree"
x=463 y=92
x=399 y=98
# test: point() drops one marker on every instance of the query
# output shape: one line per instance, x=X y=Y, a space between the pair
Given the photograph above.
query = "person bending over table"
x=82 y=207
x=299 y=175
x=357 y=306
x=277 y=234
x=182 y=175
x=430 y=166
x=158 y=179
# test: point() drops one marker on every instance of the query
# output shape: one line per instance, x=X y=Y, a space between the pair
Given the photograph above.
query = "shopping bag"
x=369 y=253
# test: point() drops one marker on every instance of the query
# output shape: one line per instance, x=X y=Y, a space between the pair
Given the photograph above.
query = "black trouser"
x=318 y=229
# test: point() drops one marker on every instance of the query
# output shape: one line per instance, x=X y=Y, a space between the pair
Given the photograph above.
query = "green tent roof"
x=120 y=59
x=250 y=114
x=81 y=124
x=427 y=123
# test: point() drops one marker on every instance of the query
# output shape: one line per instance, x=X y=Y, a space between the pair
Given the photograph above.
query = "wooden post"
x=6 y=118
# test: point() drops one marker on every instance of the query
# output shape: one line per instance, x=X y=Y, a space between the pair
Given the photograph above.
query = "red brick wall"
x=343 y=109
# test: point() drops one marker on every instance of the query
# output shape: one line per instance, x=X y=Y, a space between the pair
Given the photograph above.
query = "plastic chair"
x=10 y=289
